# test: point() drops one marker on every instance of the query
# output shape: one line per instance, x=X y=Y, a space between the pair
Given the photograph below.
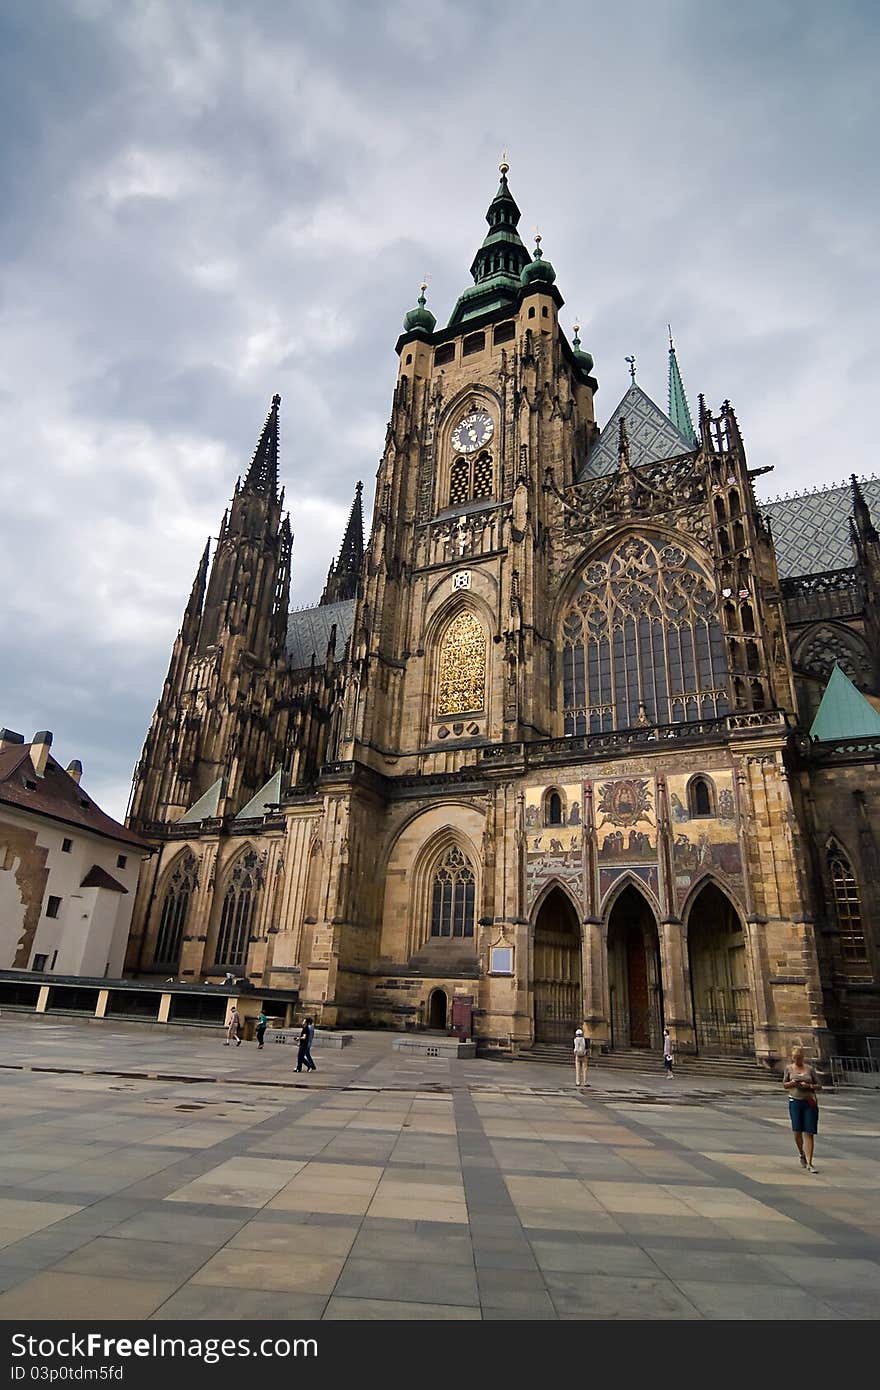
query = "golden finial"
x=504 y=165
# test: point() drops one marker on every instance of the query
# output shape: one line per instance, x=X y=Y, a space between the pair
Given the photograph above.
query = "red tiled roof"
x=55 y=794
x=99 y=878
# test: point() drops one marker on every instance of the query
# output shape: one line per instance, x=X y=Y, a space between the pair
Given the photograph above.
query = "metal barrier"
x=855 y=1071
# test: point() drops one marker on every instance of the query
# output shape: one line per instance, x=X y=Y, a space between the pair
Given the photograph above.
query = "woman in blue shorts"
x=802 y=1083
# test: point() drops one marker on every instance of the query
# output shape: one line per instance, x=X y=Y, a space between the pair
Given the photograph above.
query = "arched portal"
x=557 y=970
x=719 y=977
x=437 y=1007
x=634 y=973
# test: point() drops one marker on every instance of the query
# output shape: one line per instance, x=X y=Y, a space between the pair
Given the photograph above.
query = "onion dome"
x=583 y=359
x=420 y=319
x=537 y=271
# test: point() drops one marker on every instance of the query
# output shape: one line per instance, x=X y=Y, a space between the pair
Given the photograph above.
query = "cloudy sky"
x=207 y=201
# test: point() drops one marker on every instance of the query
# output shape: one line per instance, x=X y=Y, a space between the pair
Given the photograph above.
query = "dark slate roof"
x=308 y=631
x=55 y=794
x=652 y=436
x=99 y=878
x=811 y=529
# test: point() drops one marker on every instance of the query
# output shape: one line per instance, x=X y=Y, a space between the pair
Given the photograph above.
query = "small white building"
x=68 y=872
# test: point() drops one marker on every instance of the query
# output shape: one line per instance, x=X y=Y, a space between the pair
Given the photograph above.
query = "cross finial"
x=671 y=343
x=504 y=166
x=632 y=367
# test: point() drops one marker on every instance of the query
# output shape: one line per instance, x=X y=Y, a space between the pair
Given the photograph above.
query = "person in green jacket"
x=260 y=1030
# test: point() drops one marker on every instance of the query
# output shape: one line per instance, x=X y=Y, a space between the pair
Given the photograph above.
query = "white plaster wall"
x=12 y=911
x=71 y=932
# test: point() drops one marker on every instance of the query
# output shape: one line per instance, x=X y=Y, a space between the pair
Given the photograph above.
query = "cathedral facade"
x=542 y=755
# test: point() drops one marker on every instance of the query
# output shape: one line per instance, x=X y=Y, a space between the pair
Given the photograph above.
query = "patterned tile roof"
x=308 y=631
x=811 y=529
x=652 y=436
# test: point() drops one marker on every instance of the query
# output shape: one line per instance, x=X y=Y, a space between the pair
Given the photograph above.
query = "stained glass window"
x=641 y=643
x=238 y=912
x=175 y=908
x=453 y=896
x=462 y=686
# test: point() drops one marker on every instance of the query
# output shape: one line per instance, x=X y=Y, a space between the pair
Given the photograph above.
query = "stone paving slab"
x=394 y=1187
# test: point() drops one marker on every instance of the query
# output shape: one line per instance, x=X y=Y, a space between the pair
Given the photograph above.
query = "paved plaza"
x=160 y=1175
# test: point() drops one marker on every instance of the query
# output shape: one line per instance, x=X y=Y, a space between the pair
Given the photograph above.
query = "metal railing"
x=855 y=1071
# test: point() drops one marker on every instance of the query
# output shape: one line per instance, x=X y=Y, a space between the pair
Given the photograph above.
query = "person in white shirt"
x=581 y=1059
x=667 y=1052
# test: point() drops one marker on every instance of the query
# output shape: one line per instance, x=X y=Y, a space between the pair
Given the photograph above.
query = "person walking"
x=304 y=1055
x=581 y=1059
x=260 y=1030
x=667 y=1052
x=802 y=1082
x=233 y=1028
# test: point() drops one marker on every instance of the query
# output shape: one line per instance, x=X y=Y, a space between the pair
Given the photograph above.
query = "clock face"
x=473 y=432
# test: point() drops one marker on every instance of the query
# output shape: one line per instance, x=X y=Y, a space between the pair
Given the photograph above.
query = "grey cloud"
x=207 y=202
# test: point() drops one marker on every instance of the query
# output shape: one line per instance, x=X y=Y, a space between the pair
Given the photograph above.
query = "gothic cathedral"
x=583 y=735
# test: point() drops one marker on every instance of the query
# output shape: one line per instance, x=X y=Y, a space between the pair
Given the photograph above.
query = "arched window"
x=483 y=477
x=553 y=809
x=642 y=631
x=238 y=912
x=471 y=480
x=175 y=909
x=453 y=896
x=462 y=684
x=848 y=910
x=701 y=798
x=459 y=482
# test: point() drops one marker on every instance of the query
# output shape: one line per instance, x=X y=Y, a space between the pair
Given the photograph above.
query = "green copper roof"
x=499 y=262
x=420 y=319
x=267 y=796
x=844 y=712
x=206 y=806
x=679 y=412
x=537 y=270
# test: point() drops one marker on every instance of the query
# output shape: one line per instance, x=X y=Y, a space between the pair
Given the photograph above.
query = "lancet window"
x=453 y=896
x=641 y=642
x=181 y=885
x=848 y=910
x=471 y=479
x=239 y=904
x=462 y=683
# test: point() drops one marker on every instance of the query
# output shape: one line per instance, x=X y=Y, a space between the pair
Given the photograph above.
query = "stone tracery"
x=641 y=641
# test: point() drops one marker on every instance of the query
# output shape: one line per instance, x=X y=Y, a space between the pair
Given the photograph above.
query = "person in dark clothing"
x=260 y=1030
x=304 y=1055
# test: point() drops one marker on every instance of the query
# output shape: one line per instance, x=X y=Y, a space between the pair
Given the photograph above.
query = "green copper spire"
x=499 y=262
x=420 y=319
x=679 y=411
x=537 y=271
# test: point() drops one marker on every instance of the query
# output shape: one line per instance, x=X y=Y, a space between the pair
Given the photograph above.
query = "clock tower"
x=456 y=648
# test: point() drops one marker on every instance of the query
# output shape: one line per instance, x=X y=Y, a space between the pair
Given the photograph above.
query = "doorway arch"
x=558 y=1001
x=636 y=1004
x=720 y=993
x=438 y=1005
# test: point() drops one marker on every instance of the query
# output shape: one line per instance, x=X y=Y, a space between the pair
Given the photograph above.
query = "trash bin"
x=247 y=1029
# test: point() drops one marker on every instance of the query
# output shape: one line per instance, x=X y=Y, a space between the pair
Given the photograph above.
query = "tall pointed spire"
x=497 y=265
x=343 y=576
x=193 y=612
x=262 y=476
x=679 y=410
x=864 y=525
